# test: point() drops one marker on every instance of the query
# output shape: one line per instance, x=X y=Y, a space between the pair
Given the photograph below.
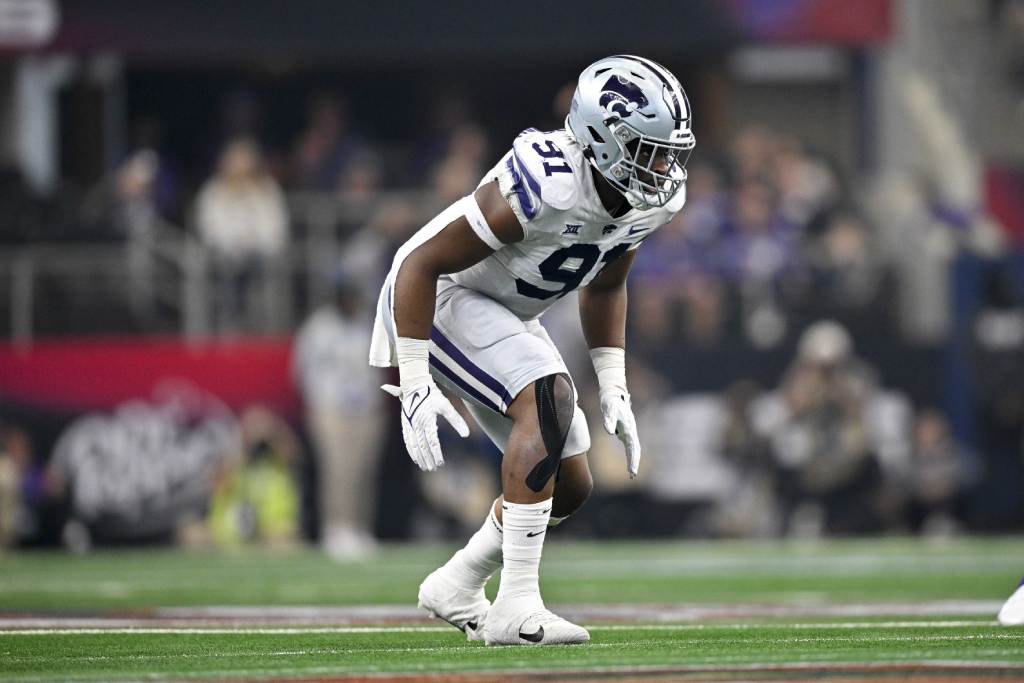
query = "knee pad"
x=555 y=407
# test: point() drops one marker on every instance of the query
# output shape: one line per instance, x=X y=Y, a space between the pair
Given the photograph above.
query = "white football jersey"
x=569 y=235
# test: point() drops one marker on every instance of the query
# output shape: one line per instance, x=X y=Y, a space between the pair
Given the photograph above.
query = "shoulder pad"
x=548 y=167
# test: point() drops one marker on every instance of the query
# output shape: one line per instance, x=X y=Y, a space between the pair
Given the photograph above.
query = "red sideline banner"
x=78 y=375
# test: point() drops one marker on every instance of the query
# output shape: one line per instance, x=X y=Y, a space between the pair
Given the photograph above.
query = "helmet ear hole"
x=604 y=156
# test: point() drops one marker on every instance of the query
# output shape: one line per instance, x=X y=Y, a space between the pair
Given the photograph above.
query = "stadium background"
x=861 y=163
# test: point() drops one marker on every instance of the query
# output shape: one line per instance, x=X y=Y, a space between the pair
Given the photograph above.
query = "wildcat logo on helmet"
x=623 y=97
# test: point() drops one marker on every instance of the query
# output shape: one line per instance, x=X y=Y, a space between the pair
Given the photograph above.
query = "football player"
x=561 y=211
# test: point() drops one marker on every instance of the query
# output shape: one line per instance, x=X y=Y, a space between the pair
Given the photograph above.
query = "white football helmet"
x=632 y=119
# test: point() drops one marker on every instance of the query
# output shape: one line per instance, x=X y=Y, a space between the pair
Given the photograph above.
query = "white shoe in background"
x=1012 y=613
x=347 y=544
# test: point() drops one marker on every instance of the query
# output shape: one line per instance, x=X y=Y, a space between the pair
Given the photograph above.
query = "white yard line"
x=239 y=619
x=611 y=610
x=824 y=625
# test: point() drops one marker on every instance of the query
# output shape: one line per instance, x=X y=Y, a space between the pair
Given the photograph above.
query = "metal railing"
x=174 y=285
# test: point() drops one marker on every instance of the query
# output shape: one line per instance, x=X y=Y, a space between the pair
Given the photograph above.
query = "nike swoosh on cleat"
x=531 y=534
x=471 y=625
x=533 y=637
x=637 y=231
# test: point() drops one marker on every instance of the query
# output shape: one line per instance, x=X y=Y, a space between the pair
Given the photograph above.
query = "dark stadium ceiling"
x=385 y=32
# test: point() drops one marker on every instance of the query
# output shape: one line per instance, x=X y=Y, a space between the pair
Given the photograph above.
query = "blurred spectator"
x=343 y=414
x=560 y=104
x=256 y=497
x=750 y=507
x=459 y=171
x=148 y=134
x=845 y=276
x=831 y=480
x=368 y=253
x=930 y=211
x=361 y=179
x=707 y=204
x=124 y=207
x=997 y=368
x=24 y=489
x=326 y=147
x=751 y=153
x=449 y=111
x=25 y=216
x=761 y=244
x=10 y=498
x=937 y=476
x=843 y=261
x=806 y=186
x=242 y=220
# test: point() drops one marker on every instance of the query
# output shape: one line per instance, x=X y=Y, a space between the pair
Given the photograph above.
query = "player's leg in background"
x=347 y=447
x=573 y=485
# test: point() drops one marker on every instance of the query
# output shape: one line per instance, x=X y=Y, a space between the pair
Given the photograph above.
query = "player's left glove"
x=610 y=365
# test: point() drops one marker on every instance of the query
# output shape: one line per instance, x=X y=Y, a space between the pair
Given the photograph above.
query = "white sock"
x=525 y=526
x=481 y=556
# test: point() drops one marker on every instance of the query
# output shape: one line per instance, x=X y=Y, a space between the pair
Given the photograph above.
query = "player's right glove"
x=422 y=402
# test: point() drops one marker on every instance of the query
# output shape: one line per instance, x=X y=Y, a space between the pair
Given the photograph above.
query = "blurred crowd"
x=789 y=335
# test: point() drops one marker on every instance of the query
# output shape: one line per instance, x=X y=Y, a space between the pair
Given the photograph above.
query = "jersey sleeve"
x=536 y=178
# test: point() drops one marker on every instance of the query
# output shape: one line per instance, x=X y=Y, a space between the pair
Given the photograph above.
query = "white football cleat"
x=528 y=622
x=1012 y=613
x=463 y=607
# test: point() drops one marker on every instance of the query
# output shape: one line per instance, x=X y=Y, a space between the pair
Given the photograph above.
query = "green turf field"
x=894 y=608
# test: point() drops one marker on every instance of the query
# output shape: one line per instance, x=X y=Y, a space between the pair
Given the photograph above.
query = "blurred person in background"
x=761 y=243
x=12 y=468
x=450 y=110
x=844 y=276
x=326 y=147
x=26 y=494
x=367 y=254
x=361 y=180
x=806 y=185
x=256 y=494
x=830 y=477
x=459 y=170
x=124 y=206
x=25 y=214
x=937 y=478
x=242 y=220
x=996 y=348
x=342 y=401
x=932 y=209
x=750 y=508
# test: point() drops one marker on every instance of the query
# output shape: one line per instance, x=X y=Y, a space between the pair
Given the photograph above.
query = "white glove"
x=422 y=402
x=610 y=365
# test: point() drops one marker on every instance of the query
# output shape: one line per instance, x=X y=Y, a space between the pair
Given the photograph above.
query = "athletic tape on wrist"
x=610 y=366
x=413 y=361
